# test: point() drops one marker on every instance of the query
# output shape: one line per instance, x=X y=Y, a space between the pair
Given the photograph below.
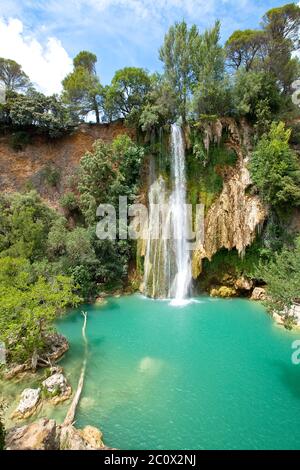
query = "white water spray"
x=182 y=280
x=167 y=262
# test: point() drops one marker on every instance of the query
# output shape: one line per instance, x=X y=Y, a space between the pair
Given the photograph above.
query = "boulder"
x=93 y=436
x=57 y=346
x=243 y=283
x=259 y=293
x=295 y=313
x=42 y=435
x=223 y=291
x=55 y=383
x=57 y=387
x=89 y=438
x=29 y=401
x=46 y=434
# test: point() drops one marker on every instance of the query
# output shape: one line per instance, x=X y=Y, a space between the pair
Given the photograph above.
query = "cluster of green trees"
x=251 y=75
x=47 y=264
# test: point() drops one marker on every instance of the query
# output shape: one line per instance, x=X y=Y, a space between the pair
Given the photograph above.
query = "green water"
x=215 y=374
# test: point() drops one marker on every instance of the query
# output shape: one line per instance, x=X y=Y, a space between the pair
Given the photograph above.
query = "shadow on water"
x=289 y=374
x=96 y=341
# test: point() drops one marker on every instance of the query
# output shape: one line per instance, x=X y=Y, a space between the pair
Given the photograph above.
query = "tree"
x=109 y=171
x=253 y=89
x=126 y=95
x=211 y=87
x=29 y=307
x=283 y=23
x=176 y=54
x=12 y=76
x=282 y=276
x=82 y=89
x=160 y=104
x=243 y=47
x=35 y=109
x=96 y=177
x=275 y=169
x=282 y=29
x=24 y=225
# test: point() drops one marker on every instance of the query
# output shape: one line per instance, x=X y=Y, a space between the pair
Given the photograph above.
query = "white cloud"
x=46 y=64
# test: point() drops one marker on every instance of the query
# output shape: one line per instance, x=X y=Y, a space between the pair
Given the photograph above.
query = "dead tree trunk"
x=70 y=417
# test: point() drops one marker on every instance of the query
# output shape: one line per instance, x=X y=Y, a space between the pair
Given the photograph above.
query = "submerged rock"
x=30 y=398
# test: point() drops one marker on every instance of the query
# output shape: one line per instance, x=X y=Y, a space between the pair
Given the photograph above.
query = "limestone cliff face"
x=19 y=169
x=234 y=217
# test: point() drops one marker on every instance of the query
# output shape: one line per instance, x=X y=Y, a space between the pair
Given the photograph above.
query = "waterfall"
x=167 y=266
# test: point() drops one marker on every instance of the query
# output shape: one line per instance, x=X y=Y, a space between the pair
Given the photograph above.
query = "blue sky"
x=44 y=35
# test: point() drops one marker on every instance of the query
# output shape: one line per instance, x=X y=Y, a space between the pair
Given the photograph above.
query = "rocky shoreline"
x=47 y=434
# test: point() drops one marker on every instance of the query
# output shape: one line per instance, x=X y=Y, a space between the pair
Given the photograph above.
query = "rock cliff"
x=235 y=216
x=25 y=168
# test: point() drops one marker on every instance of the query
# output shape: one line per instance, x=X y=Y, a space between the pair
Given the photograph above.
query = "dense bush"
x=282 y=276
x=275 y=169
x=28 y=307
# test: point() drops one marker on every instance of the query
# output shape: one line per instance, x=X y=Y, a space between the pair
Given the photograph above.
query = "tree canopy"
x=82 y=88
x=12 y=76
x=126 y=95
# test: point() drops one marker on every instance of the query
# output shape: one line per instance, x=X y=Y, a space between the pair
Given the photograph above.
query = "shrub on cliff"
x=282 y=276
x=34 y=109
x=275 y=169
x=24 y=225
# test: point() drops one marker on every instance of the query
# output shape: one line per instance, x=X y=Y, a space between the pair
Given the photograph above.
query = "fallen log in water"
x=70 y=417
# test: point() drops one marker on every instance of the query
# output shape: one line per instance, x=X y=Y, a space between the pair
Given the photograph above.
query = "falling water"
x=167 y=272
x=181 y=282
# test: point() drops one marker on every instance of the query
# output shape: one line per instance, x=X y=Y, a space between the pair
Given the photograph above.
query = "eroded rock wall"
x=235 y=216
x=24 y=168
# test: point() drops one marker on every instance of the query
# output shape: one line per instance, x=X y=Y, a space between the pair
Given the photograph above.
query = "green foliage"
x=275 y=169
x=29 y=306
x=24 y=224
x=160 y=104
x=256 y=94
x=282 y=276
x=69 y=201
x=284 y=23
x=51 y=175
x=243 y=47
x=204 y=180
x=82 y=88
x=211 y=87
x=227 y=265
x=177 y=55
x=107 y=172
x=19 y=140
x=47 y=113
x=12 y=76
x=46 y=394
x=125 y=96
